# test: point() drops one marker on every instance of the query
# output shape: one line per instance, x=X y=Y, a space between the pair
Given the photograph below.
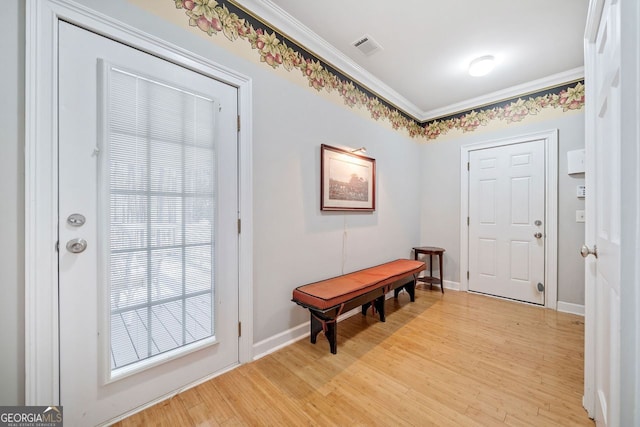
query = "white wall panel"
x=520 y=200
x=519 y=259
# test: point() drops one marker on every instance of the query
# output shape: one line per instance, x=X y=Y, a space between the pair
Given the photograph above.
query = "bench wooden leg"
x=332 y=336
x=331 y=331
x=379 y=305
x=410 y=287
x=316 y=327
x=365 y=307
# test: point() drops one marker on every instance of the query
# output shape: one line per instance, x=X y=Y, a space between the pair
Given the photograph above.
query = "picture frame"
x=347 y=180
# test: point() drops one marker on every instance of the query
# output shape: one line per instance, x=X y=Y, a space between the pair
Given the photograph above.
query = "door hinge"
x=239 y=329
x=238 y=123
x=467 y=275
x=239 y=225
x=58 y=246
x=468 y=167
x=468 y=221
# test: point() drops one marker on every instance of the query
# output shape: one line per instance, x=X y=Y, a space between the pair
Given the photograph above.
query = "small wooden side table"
x=431 y=251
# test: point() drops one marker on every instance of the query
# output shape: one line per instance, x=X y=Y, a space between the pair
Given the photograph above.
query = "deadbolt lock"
x=76 y=220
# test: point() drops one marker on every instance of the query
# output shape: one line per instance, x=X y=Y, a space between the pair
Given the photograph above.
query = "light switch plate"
x=580 y=215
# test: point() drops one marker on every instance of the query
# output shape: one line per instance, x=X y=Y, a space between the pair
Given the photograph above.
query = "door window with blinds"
x=158 y=175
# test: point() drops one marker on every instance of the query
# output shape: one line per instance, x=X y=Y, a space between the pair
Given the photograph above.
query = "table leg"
x=441 y=274
x=431 y=270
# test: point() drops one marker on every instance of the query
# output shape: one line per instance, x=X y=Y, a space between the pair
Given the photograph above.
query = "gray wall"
x=294 y=242
x=12 y=207
x=441 y=199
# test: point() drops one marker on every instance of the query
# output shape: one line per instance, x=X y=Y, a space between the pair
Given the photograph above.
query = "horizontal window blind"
x=161 y=209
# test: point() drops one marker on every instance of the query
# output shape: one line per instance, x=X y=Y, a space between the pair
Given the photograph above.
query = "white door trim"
x=630 y=244
x=42 y=373
x=551 y=208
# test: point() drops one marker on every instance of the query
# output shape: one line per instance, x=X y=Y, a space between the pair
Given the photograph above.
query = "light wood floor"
x=456 y=359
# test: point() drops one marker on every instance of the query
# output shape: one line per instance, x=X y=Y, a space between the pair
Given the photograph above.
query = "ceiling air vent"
x=367 y=45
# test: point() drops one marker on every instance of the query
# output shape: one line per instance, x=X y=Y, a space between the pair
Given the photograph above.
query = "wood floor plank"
x=457 y=359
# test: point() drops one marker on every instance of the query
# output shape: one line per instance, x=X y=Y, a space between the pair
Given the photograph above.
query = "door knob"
x=76 y=245
x=585 y=251
x=537 y=235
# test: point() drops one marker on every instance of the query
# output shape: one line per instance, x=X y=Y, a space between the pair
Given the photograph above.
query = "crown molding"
x=505 y=94
x=283 y=22
x=280 y=20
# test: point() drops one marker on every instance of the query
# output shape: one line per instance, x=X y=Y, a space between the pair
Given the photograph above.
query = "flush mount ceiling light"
x=482 y=65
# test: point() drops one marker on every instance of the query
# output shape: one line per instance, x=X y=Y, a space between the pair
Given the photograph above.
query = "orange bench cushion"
x=332 y=292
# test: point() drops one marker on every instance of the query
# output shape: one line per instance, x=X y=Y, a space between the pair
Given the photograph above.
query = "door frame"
x=550 y=139
x=42 y=372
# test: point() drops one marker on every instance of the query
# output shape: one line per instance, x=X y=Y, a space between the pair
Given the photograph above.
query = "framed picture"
x=347 y=180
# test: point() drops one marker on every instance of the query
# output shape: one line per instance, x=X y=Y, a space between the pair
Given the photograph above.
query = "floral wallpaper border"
x=568 y=96
x=276 y=50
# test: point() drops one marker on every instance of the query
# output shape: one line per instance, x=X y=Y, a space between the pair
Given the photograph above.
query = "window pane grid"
x=186 y=245
x=162 y=211
x=158 y=302
x=159 y=193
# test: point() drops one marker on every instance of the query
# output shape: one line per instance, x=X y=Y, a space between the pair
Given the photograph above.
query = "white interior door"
x=506 y=221
x=148 y=270
x=602 y=294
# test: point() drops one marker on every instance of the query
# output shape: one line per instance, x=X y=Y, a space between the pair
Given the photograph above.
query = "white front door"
x=148 y=205
x=506 y=221
x=603 y=216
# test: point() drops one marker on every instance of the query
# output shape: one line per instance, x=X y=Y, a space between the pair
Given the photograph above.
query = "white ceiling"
x=428 y=44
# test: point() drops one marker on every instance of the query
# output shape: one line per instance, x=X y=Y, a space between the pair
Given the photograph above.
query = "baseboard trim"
x=281 y=340
x=448 y=284
x=568 y=307
x=454 y=286
x=288 y=337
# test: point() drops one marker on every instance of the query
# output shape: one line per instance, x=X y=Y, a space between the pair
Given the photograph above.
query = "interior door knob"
x=537 y=235
x=585 y=251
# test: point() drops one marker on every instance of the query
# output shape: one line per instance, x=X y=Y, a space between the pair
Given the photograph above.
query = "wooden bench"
x=327 y=299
